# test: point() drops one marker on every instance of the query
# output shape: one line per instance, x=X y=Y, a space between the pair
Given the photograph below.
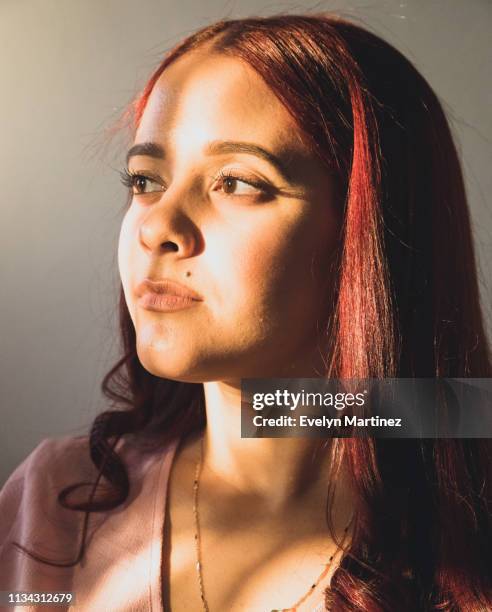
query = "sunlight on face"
x=252 y=229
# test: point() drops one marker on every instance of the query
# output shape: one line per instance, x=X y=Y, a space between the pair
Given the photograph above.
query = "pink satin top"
x=123 y=566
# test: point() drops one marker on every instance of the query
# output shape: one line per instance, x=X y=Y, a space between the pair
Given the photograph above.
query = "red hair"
x=407 y=305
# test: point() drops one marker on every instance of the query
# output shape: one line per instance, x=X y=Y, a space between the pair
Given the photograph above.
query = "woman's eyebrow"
x=216 y=147
x=149 y=149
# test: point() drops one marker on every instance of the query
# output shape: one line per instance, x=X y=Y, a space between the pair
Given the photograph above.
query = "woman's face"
x=256 y=245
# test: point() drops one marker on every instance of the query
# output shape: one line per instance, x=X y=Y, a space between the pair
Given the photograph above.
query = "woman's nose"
x=168 y=230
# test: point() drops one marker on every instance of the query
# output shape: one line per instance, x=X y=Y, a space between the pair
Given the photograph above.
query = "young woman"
x=296 y=209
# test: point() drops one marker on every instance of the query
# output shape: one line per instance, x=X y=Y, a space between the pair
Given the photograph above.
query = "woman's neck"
x=281 y=472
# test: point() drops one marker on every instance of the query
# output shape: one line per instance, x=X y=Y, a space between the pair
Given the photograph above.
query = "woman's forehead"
x=209 y=96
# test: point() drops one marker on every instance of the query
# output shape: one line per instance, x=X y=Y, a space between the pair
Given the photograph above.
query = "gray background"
x=67 y=69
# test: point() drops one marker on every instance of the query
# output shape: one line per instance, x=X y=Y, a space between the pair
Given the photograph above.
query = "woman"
x=296 y=209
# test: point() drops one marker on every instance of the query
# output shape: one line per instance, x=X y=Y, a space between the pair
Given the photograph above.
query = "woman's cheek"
x=258 y=273
x=268 y=257
x=126 y=245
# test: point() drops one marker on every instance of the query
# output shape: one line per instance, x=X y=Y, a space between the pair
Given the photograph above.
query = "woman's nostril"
x=169 y=246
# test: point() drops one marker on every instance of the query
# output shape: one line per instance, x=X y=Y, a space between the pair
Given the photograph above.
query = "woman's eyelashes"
x=232 y=183
x=141 y=182
x=227 y=180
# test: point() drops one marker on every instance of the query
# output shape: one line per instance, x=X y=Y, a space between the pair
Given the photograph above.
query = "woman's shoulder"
x=33 y=486
x=58 y=462
x=33 y=516
x=51 y=459
x=29 y=506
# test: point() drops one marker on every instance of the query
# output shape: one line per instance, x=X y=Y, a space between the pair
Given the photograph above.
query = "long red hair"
x=406 y=305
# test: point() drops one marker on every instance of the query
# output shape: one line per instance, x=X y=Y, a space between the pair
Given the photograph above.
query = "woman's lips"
x=165 y=302
x=165 y=295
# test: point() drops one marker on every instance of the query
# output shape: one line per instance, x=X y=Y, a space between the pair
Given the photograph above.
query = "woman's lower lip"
x=163 y=302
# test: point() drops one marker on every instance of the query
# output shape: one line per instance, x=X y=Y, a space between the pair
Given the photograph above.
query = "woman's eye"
x=144 y=184
x=236 y=185
x=140 y=183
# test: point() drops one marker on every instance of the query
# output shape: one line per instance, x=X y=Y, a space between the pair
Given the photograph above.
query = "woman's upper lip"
x=166 y=286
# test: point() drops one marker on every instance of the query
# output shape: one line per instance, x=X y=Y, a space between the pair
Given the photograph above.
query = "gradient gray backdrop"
x=67 y=69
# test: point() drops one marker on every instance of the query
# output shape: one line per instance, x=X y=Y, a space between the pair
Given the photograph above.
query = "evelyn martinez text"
x=292 y=401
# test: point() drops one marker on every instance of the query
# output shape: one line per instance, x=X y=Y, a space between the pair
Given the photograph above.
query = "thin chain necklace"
x=196 y=484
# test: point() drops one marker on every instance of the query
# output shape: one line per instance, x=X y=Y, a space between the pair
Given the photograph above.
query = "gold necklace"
x=196 y=484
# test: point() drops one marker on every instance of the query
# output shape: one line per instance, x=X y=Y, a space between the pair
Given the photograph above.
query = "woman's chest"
x=251 y=570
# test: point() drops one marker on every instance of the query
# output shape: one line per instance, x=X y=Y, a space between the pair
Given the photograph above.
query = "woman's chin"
x=170 y=364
